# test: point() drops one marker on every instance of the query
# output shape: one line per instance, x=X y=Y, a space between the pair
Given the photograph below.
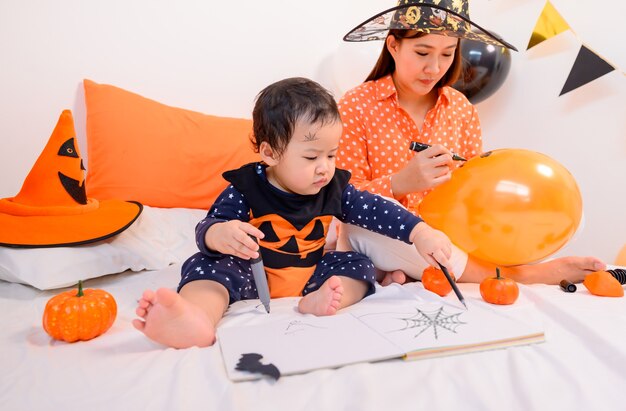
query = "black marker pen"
x=417 y=146
x=567 y=286
x=260 y=279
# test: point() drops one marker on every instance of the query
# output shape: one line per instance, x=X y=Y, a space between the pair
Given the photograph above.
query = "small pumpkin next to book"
x=499 y=290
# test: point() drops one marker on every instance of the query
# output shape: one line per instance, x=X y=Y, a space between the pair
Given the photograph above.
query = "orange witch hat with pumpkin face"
x=52 y=208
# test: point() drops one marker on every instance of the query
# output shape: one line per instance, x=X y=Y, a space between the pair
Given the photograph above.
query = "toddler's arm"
x=375 y=213
x=388 y=218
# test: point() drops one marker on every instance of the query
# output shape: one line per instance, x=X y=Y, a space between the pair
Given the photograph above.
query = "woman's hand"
x=427 y=169
x=233 y=237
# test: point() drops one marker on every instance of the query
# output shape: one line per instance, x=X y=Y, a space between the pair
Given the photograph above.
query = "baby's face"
x=308 y=162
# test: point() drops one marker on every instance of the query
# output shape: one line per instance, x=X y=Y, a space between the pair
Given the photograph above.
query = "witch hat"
x=444 y=17
x=52 y=208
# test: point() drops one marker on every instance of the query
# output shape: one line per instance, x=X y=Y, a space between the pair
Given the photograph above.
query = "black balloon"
x=485 y=68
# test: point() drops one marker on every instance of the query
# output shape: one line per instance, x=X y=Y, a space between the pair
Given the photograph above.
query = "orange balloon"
x=507 y=206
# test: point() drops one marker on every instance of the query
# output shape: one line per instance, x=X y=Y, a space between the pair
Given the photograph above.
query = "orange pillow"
x=139 y=149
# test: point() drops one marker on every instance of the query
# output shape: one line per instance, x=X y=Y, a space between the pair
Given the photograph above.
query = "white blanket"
x=582 y=364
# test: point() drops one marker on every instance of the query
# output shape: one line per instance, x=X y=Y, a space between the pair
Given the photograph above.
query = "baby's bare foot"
x=325 y=301
x=391 y=277
x=169 y=319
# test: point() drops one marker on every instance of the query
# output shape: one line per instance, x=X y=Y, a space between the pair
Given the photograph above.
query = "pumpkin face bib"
x=295 y=226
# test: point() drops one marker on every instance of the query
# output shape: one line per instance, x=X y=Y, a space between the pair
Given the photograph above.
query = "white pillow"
x=159 y=237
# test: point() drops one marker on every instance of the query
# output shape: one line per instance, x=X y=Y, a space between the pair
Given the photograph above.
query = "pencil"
x=417 y=146
x=453 y=284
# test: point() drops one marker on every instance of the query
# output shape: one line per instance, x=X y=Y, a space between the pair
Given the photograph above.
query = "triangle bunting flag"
x=587 y=67
x=549 y=24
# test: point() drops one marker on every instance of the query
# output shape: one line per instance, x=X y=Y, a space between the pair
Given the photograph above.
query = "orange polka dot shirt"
x=377 y=133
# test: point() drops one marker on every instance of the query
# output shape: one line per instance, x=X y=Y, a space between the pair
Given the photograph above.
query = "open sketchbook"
x=412 y=325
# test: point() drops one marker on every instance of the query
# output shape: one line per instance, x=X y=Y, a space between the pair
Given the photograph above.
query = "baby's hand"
x=233 y=237
x=433 y=245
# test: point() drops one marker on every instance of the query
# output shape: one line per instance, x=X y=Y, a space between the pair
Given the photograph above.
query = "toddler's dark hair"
x=280 y=105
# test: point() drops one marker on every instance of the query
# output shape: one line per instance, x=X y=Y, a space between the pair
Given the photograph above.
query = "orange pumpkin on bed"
x=435 y=280
x=80 y=314
x=499 y=290
x=603 y=284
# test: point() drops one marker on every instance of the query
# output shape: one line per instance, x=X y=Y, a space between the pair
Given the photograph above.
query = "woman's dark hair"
x=280 y=105
x=386 y=65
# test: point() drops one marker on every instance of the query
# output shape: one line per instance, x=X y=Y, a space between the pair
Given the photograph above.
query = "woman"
x=407 y=97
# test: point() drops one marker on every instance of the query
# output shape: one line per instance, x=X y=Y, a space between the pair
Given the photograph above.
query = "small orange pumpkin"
x=499 y=290
x=603 y=284
x=435 y=280
x=82 y=315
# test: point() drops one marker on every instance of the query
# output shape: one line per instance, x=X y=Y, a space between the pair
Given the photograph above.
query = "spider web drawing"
x=423 y=320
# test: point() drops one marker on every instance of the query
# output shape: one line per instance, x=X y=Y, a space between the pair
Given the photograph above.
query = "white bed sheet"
x=582 y=364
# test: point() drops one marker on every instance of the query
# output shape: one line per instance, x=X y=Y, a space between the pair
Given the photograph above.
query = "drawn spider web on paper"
x=423 y=320
x=298 y=326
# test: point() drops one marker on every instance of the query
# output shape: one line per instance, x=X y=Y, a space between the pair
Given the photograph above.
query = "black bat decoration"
x=251 y=362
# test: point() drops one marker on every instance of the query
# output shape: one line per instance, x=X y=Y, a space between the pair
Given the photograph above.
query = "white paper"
x=441 y=329
x=304 y=343
x=417 y=323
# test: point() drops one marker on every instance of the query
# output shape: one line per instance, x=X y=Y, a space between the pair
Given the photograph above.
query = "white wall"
x=214 y=57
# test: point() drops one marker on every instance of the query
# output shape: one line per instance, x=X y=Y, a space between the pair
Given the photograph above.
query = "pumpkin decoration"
x=435 y=280
x=499 y=290
x=602 y=283
x=79 y=315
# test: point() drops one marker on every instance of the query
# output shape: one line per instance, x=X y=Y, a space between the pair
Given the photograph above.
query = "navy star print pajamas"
x=361 y=208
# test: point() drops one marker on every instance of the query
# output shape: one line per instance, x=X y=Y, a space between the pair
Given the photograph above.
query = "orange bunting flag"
x=587 y=67
x=549 y=24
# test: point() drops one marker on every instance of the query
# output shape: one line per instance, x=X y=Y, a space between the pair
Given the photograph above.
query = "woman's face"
x=421 y=62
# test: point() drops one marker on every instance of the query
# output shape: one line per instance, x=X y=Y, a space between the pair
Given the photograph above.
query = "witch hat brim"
x=447 y=18
x=111 y=218
x=52 y=210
